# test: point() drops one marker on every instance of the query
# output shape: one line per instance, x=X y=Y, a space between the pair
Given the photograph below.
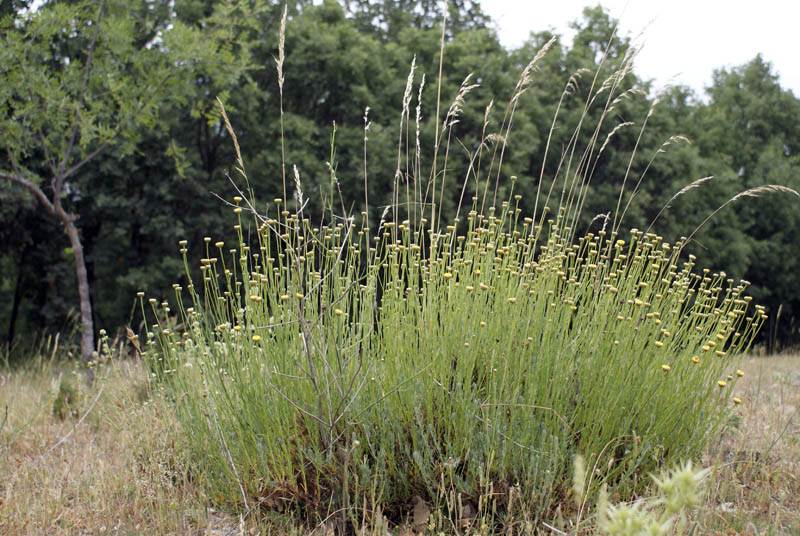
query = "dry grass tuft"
x=758 y=191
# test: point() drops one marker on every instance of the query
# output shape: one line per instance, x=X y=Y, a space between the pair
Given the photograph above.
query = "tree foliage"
x=86 y=78
x=142 y=149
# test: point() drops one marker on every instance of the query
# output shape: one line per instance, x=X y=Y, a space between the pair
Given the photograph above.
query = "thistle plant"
x=347 y=367
x=679 y=492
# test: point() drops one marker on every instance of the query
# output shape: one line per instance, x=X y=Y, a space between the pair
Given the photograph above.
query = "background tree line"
x=147 y=102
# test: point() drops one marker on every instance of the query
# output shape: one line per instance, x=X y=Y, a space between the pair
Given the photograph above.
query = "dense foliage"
x=138 y=197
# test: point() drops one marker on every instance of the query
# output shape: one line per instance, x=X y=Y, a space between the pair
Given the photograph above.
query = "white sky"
x=684 y=39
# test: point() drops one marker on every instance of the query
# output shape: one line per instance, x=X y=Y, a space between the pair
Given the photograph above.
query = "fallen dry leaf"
x=421 y=512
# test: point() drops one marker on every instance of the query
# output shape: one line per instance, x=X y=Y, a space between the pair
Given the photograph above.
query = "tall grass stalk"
x=344 y=370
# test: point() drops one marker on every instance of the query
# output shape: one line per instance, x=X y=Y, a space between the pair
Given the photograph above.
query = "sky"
x=684 y=40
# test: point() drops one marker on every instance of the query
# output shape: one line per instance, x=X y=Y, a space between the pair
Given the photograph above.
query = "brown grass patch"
x=117 y=472
x=756 y=488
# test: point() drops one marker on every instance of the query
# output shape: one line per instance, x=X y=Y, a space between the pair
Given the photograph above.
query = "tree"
x=84 y=77
x=391 y=18
x=753 y=125
x=12 y=7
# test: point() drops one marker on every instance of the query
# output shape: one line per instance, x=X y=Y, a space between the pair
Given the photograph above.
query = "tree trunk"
x=87 y=331
x=68 y=220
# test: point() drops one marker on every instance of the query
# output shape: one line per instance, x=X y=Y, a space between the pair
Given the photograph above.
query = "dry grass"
x=119 y=472
x=756 y=488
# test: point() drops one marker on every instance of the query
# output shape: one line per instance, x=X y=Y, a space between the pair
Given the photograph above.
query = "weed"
x=66 y=401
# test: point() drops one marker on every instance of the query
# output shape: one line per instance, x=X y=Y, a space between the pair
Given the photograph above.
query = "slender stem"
x=436 y=122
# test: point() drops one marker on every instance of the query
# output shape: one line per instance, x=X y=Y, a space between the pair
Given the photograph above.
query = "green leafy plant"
x=67 y=400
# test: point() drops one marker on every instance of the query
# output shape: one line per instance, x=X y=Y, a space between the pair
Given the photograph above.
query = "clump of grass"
x=355 y=374
x=485 y=363
x=66 y=401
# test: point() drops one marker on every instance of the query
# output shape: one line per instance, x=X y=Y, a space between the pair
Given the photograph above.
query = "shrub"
x=351 y=371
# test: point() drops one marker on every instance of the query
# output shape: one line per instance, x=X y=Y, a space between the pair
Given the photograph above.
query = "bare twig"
x=553 y=529
x=32 y=188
